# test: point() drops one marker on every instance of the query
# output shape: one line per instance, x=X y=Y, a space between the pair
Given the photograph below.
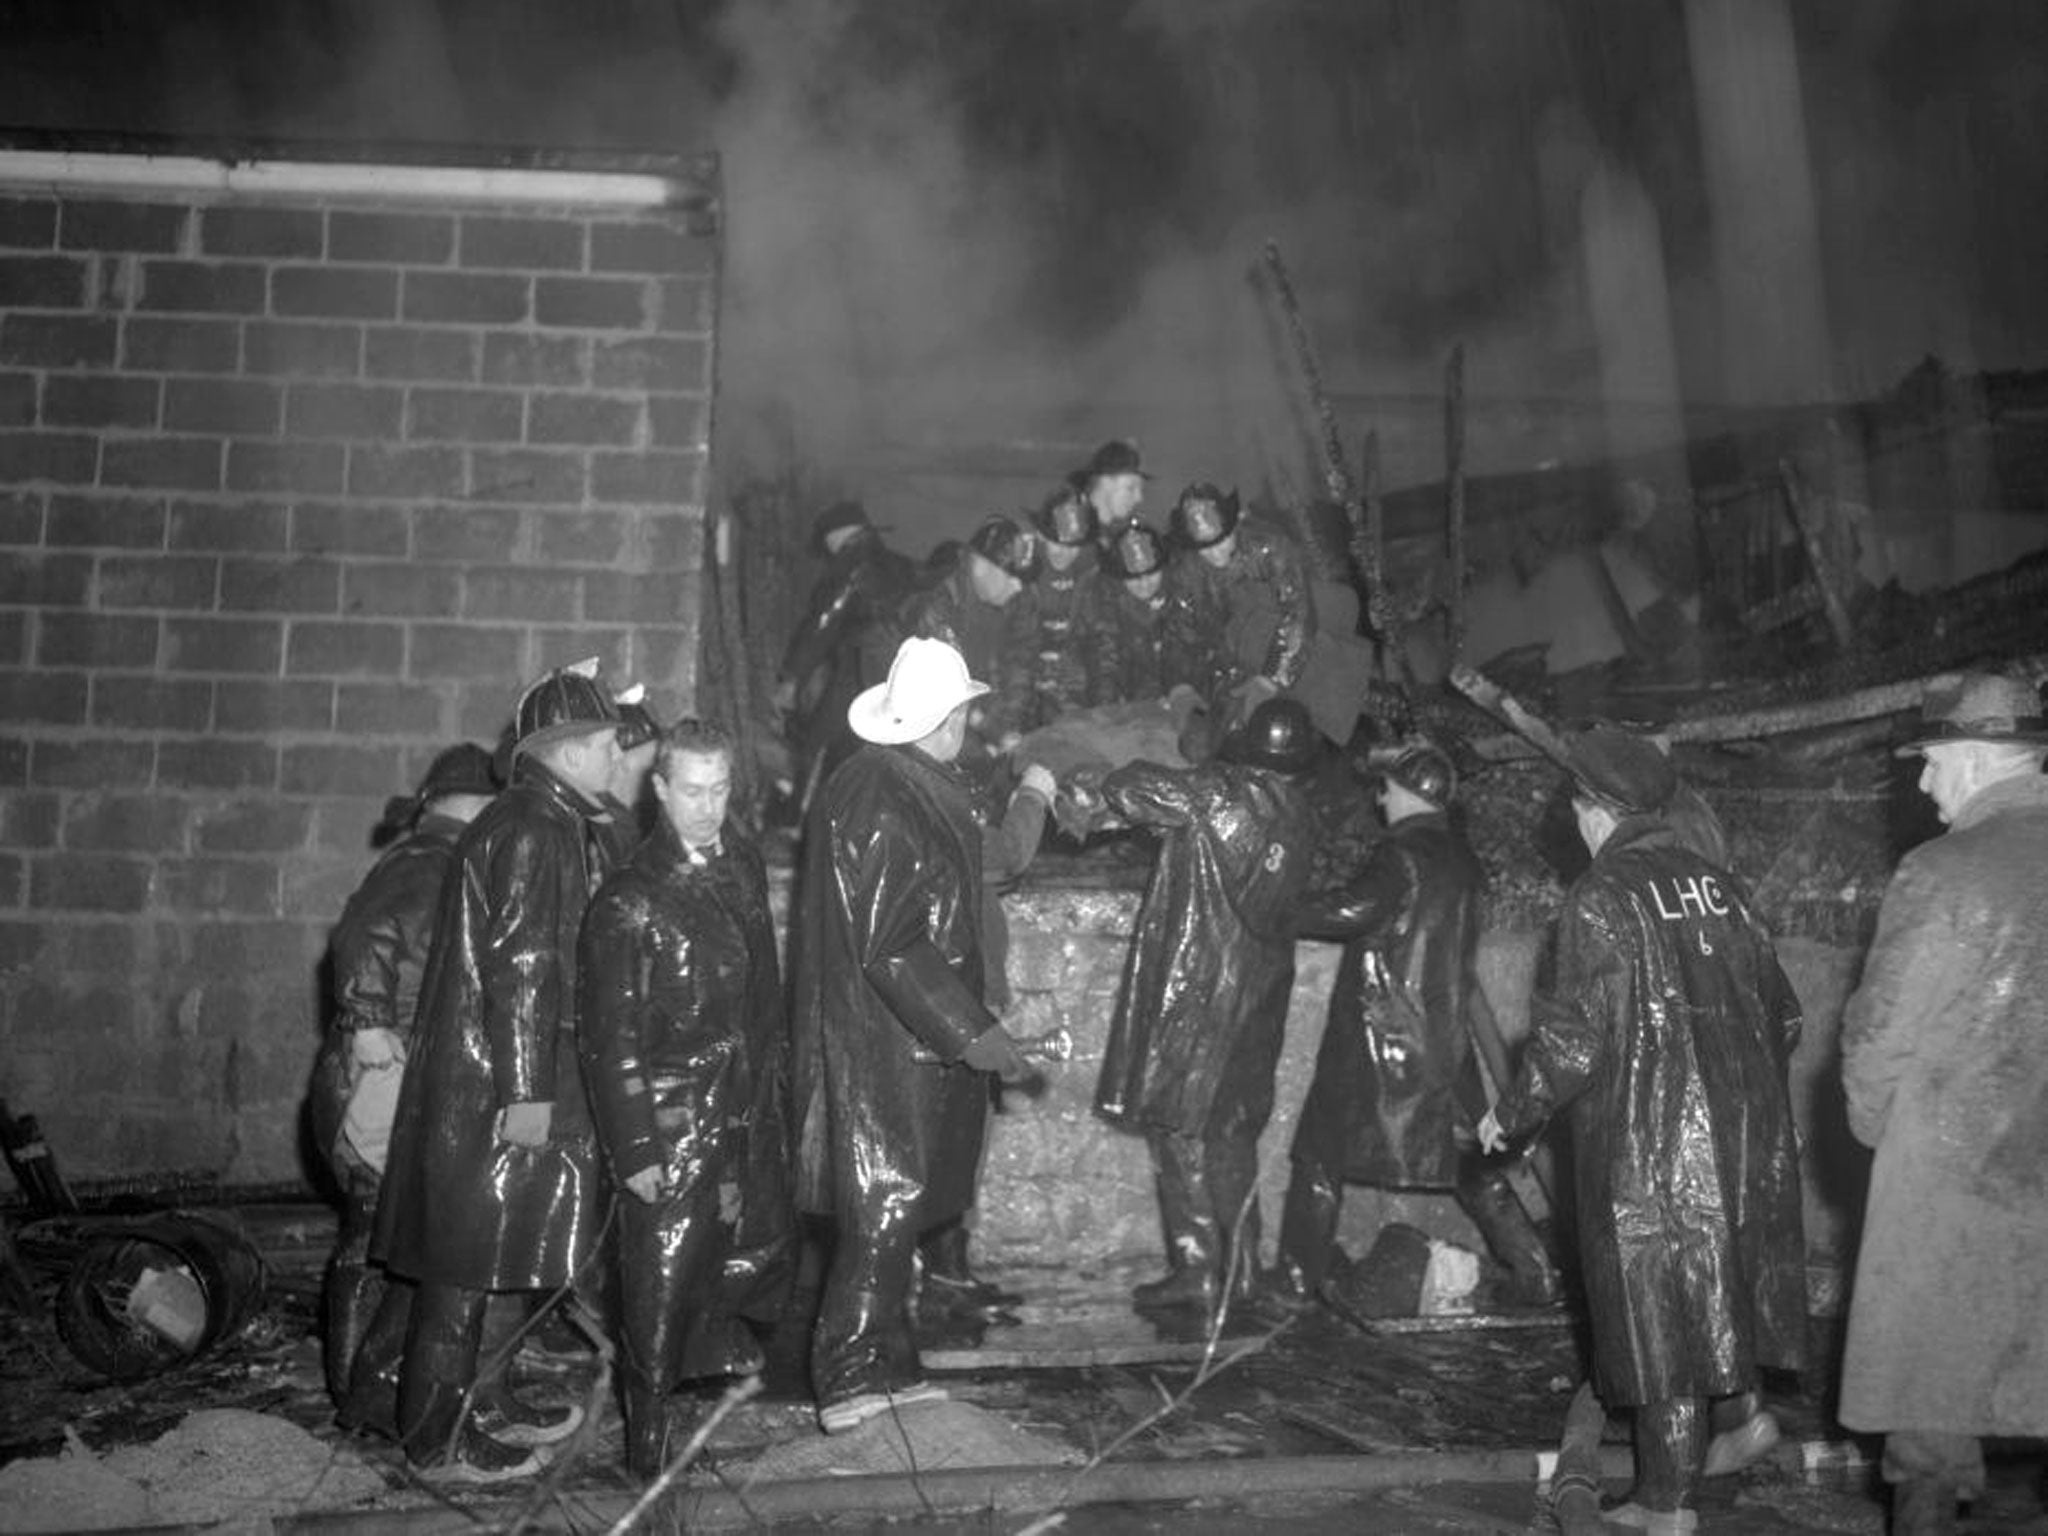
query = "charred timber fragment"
x=1366 y=547
x=1454 y=499
x=1806 y=518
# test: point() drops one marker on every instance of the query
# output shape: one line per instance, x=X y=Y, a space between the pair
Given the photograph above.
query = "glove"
x=1039 y=780
x=1491 y=1137
x=367 y=1117
x=526 y=1125
x=376 y=1047
x=994 y=1051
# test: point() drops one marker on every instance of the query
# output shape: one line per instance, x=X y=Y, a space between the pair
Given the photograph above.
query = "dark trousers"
x=862 y=1340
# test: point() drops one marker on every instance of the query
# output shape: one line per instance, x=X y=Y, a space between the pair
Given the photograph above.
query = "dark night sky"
x=1031 y=223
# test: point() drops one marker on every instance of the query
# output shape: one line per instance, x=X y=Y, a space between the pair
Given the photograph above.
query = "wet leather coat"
x=1252 y=618
x=684 y=1042
x=997 y=644
x=1666 y=1040
x=1060 y=607
x=1945 y=1063
x=496 y=1027
x=888 y=993
x=1199 y=1022
x=379 y=953
x=1396 y=1080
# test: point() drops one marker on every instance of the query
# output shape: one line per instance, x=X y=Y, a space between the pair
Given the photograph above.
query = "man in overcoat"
x=893 y=1044
x=1198 y=1026
x=492 y=1185
x=1945 y=1064
x=1666 y=1039
x=685 y=1048
x=1397 y=1087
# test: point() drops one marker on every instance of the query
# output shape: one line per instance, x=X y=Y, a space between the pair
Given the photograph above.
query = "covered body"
x=1666 y=1040
x=1945 y=1064
x=497 y=1027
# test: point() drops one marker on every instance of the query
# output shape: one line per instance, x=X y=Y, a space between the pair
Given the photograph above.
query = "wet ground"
x=1314 y=1424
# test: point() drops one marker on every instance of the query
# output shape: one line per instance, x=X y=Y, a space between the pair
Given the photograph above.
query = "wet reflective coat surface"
x=497 y=1026
x=889 y=976
x=1665 y=1041
x=888 y=988
x=1060 y=607
x=379 y=954
x=1199 y=1022
x=1945 y=1064
x=1396 y=1082
x=685 y=1048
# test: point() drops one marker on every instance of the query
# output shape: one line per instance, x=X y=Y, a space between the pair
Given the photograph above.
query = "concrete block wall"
x=296 y=489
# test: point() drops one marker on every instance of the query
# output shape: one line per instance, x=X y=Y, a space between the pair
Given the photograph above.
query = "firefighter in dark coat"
x=978 y=609
x=1062 y=605
x=493 y=1181
x=1396 y=1087
x=892 y=1041
x=846 y=637
x=1666 y=1039
x=685 y=1047
x=379 y=953
x=1129 y=635
x=1198 y=1027
x=1247 y=614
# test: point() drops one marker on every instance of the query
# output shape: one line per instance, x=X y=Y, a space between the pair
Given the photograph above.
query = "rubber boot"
x=948 y=1278
x=1193 y=1244
x=1233 y=1174
x=372 y=1399
x=1923 y=1506
x=1485 y=1195
x=349 y=1298
x=439 y=1369
x=1308 y=1235
x=646 y=1432
x=1671 y=1446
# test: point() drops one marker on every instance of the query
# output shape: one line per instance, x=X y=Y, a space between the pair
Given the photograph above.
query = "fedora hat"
x=1614 y=765
x=927 y=681
x=1115 y=457
x=463 y=769
x=1979 y=706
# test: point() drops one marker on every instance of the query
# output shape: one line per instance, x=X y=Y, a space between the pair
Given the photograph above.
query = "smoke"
x=996 y=234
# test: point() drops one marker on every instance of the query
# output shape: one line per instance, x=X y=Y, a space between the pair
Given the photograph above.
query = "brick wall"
x=292 y=494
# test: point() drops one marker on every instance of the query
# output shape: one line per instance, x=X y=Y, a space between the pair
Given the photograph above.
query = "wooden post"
x=1807 y=520
x=1454 y=496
